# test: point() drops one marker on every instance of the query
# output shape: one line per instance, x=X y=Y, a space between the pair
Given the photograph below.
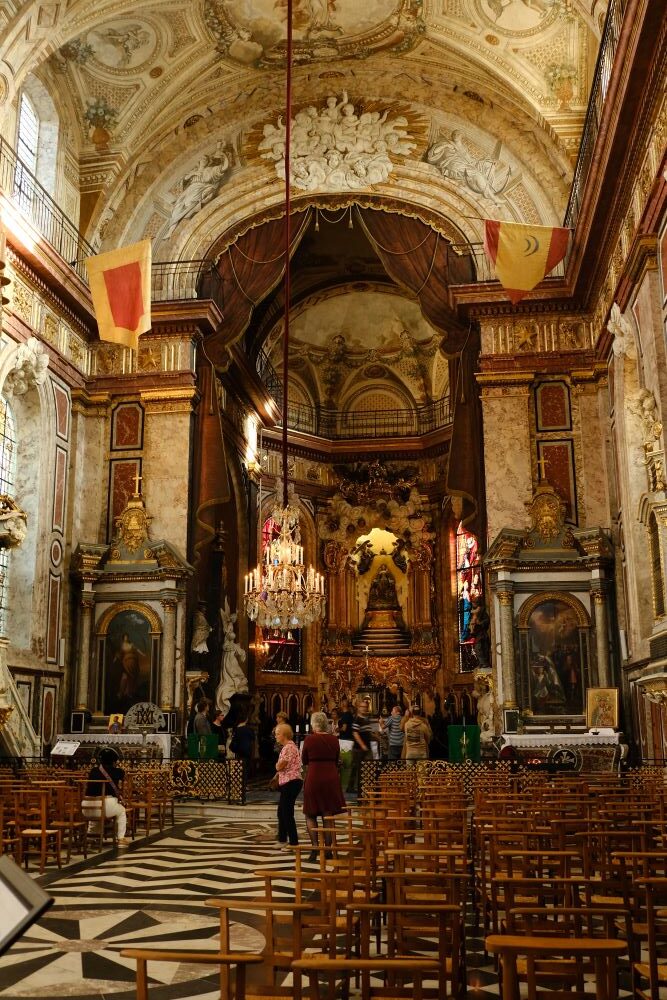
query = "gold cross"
x=137 y=483
x=541 y=464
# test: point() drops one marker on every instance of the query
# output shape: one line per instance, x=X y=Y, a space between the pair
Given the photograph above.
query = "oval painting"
x=255 y=33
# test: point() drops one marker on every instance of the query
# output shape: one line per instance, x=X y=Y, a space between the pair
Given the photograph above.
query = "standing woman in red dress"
x=322 y=792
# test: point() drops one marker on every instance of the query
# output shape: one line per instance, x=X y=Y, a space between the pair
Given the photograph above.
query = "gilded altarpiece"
x=552 y=588
x=378 y=548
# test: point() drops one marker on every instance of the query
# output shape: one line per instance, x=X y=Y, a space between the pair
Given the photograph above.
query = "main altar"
x=381 y=632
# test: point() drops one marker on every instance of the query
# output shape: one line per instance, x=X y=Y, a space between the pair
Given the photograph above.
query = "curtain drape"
x=416 y=257
x=250 y=268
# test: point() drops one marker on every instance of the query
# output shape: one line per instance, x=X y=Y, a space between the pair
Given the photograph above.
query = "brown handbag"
x=274 y=783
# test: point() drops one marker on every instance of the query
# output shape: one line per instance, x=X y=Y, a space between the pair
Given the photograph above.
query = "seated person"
x=106 y=778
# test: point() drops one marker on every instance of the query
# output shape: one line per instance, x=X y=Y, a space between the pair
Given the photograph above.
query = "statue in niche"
x=483 y=692
x=200 y=186
x=200 y=632
x=365 y=556
x=382 y=594
x=399 y=554
x=232 y=677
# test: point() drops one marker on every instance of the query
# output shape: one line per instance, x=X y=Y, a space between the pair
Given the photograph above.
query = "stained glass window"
x=284 y=654
x=472 y=617
x=7 y=485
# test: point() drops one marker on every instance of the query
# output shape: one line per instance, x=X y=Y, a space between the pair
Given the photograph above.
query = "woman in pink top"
x=288 y=767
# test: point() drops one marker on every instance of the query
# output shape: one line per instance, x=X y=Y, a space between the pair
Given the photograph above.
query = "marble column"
x=506 y=602
x=83 y=679
x=602 y=638
x=167 y=674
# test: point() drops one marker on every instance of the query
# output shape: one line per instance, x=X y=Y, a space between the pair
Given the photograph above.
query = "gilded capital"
x=505 y=598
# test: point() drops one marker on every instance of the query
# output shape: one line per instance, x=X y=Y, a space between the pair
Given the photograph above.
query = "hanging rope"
x=272 y=260
x=395 y=253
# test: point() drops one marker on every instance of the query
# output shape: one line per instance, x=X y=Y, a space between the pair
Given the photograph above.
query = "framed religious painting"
x=602 y=708
x=129 y=653
x=554 y=631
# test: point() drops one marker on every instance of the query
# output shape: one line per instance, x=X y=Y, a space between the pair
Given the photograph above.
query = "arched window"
x=7 y=486
x=27 y=144
x=656 y=567
x=470 y=595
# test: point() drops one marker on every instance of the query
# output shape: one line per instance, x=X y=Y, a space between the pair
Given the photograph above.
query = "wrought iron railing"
x=328 y=422
x=606 y=54
x=180 y=280
x=34 y=201
x=468 y=264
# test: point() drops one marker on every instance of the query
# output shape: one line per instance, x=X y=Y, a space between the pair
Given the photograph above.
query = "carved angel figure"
x=13 y=523
x=29 y=368
x=232 y=678
x=200 y=186
x=487 y=176
x=200 y=633
x=483 y=692
x=645 y=407
x=619 y=326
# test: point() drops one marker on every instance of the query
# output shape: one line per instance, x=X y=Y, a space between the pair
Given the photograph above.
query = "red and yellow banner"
x=522 y=254
x=120 y=286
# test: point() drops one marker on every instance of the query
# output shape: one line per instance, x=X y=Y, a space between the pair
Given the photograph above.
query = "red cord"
x=288 y=235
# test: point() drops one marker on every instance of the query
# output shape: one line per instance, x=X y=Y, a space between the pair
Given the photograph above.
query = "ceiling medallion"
x=322 y=30
x=521 y=17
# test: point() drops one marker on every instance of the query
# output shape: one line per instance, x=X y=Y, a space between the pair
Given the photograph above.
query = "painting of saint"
x=554 y=660
x=128 y=662
x=602 y=708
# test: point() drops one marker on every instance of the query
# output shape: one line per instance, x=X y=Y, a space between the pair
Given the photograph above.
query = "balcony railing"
x=608 y=45
x=180 y=280
x=22 y=187
x=327 y=422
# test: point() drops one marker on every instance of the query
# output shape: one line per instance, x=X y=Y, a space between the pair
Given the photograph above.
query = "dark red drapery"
x=416 y=257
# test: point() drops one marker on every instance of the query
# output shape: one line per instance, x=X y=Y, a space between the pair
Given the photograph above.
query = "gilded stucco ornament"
x=132 y=525
x=547 y=514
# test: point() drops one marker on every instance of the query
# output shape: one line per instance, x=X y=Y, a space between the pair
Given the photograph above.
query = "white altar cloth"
x=133 y=739
x=560 y=739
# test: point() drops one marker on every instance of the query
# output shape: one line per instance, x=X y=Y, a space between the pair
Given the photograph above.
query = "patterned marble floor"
x=153 y=894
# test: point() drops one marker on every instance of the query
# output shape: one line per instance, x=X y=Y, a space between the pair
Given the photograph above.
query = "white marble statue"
x=200 y=632
x=13 y=523
x=337 y=149
x=29 y=368
x=483 y=692
x=619 y=326
x=644 y=406
x=233 y=679
x=487 y=176
x=199 y=187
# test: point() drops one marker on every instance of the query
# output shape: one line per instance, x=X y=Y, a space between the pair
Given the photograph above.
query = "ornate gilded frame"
x=101 y=640
x=583 y=622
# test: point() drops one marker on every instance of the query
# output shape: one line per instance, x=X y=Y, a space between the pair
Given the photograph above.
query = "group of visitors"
x=408 y=737
x=242 y=739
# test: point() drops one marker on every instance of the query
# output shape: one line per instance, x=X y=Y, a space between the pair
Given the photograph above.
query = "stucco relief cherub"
x=644 y=407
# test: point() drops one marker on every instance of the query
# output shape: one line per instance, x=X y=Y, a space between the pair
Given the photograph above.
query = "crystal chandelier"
x=280 y=593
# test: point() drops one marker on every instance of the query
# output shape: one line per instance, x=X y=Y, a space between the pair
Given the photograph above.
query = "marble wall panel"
x=166 y=467
x=593 y=472
x=507 y=456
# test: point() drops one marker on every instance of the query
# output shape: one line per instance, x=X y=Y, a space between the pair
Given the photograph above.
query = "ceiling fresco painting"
x=254 y=32
x=335 y=351
x=176 y=111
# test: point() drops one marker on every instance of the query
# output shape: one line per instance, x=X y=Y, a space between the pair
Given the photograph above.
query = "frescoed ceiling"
x=174 y=111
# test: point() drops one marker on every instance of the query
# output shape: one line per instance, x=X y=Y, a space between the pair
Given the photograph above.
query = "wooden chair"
x=650 y=975
x=238 y=959
x=35 y=834
x=278 y=953
x=410 y=970
x=428 y=929
x=546 y=955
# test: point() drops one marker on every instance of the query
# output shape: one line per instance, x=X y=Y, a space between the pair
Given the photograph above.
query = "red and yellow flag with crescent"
x=522 y=254
x=120 y=286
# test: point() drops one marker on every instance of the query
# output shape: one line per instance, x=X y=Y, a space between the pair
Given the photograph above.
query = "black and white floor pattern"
x=154 y=894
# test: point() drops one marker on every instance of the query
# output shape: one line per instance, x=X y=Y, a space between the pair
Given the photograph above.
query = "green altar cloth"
x=463 y=744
